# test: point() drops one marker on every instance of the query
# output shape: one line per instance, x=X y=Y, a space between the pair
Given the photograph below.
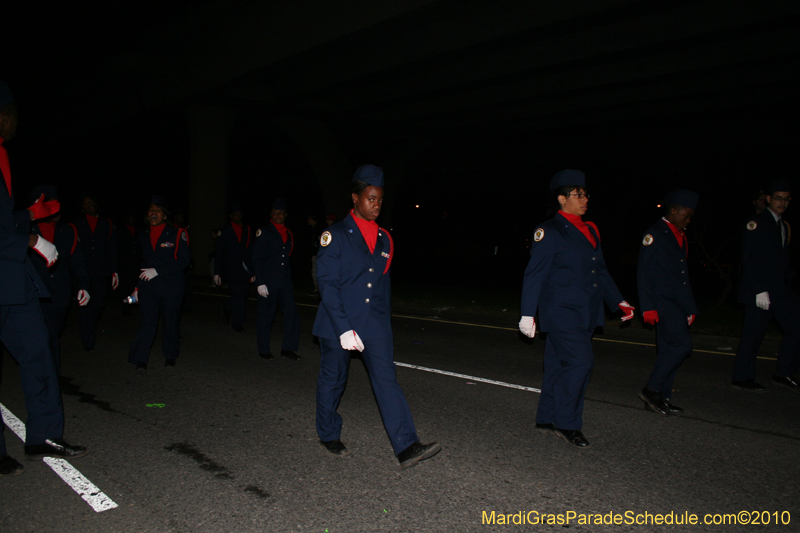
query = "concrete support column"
x=209 y=133
x=331 y=167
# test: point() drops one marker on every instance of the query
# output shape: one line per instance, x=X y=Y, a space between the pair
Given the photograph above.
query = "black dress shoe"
x=54 y=448
x=653 y=400
x=288 y=354
x=417 y=452
x=10 y=466
x=573 y=437
x=238 y=329
x=785 y=381
x=226 y=318
x=548 y=427
x=169 y=362
x=336 y=447
x=265 y=355
x=749 y=385
x=141 y=367
x=673 y=409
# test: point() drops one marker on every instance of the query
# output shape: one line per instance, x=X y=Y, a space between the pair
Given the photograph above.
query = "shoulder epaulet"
x=391 y=250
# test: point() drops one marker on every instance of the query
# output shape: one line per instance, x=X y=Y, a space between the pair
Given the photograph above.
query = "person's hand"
x=262 y=291
x=690 y=319
x=627 y=309
x=351 y=341
x=762 y=300
x=217 y=280
x=41 y=209
x=46 y=249
x=148 y=274
x=83 y=298
x=650 y=317
x=114 y=281
x=527 y=325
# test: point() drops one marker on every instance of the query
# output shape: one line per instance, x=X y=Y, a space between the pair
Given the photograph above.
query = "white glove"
x=351 y=341
x=114 y=281
x=83 y=298
x=217 y=280
x=762 y=300
x=262 y=291
x=47 y=250
x=527 y=325
x=148 y=274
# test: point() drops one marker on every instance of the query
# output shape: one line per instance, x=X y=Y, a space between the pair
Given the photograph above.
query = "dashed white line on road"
x=96 y=499
x=471 y=378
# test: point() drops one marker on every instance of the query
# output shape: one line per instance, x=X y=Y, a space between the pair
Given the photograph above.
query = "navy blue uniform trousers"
x=568 y=363
x=55 y=317
x=785 y=309
x=282 y=297
x=24 y=333
x=89 y=315
x=378 y=357
x=235 y=305
x=159 y=299
x=674 y=345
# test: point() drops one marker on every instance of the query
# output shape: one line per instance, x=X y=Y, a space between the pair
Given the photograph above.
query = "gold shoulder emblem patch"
x=325 y=239
x=539 y=235
x=258 y=233
x=648 y=240
x=751 y=225
x=219 y=232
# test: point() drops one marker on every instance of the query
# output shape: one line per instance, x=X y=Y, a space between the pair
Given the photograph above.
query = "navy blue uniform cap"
x=681 y=197
x=369 y=174
x=5 y=94
x=235 y=208
x=568 y=177
x=49 y=192
x=279 y=204
x=160 y=201
x=779 y=185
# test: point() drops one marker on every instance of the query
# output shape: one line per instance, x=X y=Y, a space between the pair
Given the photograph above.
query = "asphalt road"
x=226 y=442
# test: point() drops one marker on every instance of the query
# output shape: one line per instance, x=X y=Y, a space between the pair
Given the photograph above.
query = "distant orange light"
x=417 y=206
x=659 y=205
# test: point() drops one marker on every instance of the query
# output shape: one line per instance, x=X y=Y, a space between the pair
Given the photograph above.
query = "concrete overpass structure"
x=413 y=74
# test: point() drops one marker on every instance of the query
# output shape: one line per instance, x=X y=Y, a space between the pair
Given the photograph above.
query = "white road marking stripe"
x=472 y=378
x=13 y=422
x=77 y=481
x=87 y=490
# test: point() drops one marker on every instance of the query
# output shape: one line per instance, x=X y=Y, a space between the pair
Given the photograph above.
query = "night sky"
x=481 y=190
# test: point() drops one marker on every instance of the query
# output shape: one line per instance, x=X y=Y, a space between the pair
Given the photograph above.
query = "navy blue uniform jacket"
x=354 y=284
x=663 y=273
x=765 y=261
x=15 y=265
x=231 y=252
x=271 y=257
x=169 y=258
x=71 y=265
x=100 y=247
x=567 y=281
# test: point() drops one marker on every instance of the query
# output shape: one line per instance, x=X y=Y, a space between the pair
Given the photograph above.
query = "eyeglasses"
x=581 y=196
x=780 y=199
